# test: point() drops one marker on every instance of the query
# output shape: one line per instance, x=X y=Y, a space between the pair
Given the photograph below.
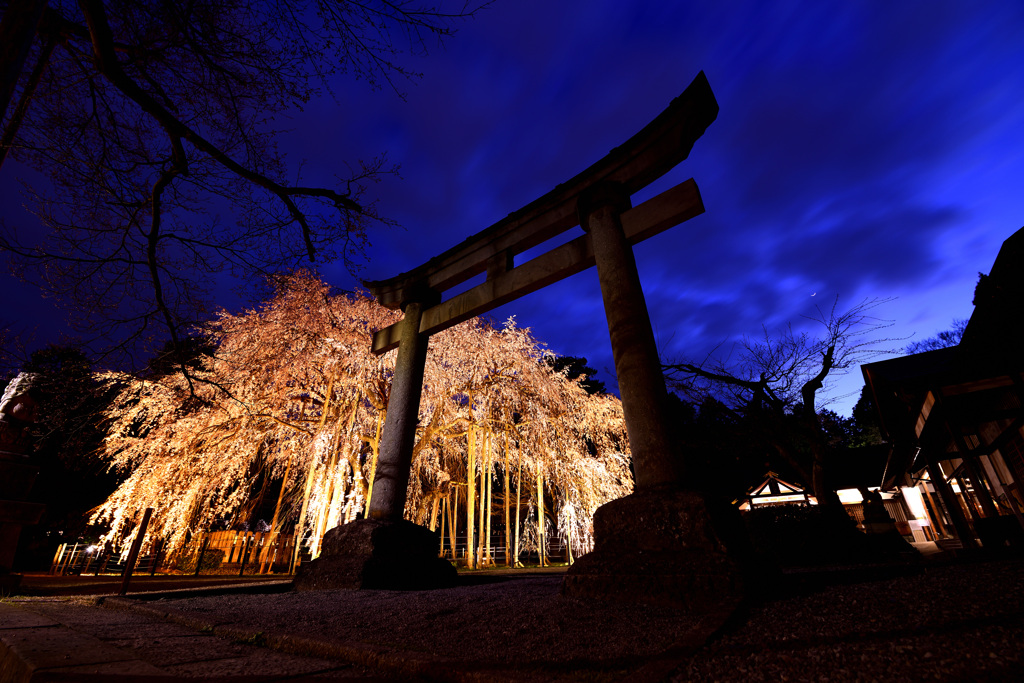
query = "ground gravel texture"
x=950 y=623
x=945 y=621
x=507 y=622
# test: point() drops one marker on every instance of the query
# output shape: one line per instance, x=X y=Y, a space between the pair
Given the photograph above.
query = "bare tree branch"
x=774 y=383
x=107 y=92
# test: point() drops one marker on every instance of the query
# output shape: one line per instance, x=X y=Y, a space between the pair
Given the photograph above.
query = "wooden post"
x=156 y=557
x=954 y=507
x=202 y=552
x=133 y=554
x=246 y=549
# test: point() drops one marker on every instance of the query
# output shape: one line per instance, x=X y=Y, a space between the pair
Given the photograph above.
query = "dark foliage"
x=867 y=430
x=774 y=382
x=574 y=367
x=808 y=536
x=942 y=340
x=188 y=353
x=68 y=432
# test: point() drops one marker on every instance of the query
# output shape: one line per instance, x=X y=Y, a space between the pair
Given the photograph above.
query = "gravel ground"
x=959 y=622
x=515 y=621
x=950 y=623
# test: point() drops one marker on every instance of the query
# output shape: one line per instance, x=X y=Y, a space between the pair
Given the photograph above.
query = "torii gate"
x=598 y=199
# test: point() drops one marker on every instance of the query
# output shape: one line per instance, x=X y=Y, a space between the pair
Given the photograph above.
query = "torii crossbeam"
x=661 y=146
x=598 y=199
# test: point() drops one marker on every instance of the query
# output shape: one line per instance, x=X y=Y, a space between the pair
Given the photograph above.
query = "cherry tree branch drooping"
x=294 y=397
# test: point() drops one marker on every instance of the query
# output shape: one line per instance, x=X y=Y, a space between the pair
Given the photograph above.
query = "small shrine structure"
x=774 y=491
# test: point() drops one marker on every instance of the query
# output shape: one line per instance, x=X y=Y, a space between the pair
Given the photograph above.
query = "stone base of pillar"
x=370 y=553
x=657 y=546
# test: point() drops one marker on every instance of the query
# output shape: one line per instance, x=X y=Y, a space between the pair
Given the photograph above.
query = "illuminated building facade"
x=953 y=418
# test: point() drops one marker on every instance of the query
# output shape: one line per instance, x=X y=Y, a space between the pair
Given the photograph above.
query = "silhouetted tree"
x=144 y=114
x=942 y=340
x=189 y=352
x=867 y=430
x=68 y=433
x=574 y=367
x=773 y=384
x=723 y=455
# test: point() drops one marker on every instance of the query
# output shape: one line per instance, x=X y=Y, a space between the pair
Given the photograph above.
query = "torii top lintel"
x=658 y=148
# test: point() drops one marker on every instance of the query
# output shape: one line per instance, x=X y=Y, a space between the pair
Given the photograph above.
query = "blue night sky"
x=862 y=149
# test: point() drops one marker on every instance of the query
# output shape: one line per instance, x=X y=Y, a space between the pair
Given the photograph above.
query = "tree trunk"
x=541 y=538
x=821 y=472
x=483 y=500
x=275 y=523
x=820 y=469
x=488 y=507
x=433 y=513
x=330 y=478
x=356 y=496
x=444 y=507
x=17 y=31
x=453 y=522
x=519 y=507
x=823 y=490
x=508 y=528
x=334 y=491
x=374 y=451
x=300 y=526
x=470 y=497
x=10 y=133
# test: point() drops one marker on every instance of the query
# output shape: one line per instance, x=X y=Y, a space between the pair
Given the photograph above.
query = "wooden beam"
x=658 y=148
x=656 y=215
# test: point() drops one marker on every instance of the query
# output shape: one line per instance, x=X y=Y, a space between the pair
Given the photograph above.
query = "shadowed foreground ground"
x=947 y=622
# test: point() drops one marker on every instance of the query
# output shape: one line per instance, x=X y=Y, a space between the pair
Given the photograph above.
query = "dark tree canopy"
x=576 y=366
x=867 y=429
x=190 y=352
x=942 y=340
x=773 y=383
x=150 y=118
x=67 y=436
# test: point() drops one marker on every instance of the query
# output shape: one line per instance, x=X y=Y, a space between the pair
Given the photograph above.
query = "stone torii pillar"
x=637 y=365
x=384 y=550
x=657 y=544
x=391 y=481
